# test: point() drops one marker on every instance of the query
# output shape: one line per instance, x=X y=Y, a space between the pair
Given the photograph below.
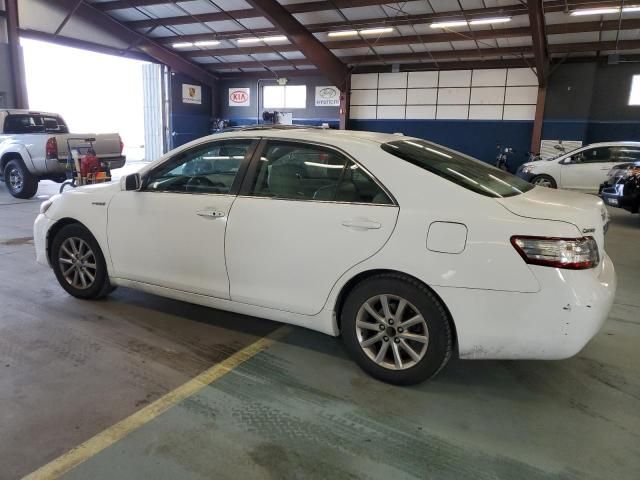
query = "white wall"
x=491 y=94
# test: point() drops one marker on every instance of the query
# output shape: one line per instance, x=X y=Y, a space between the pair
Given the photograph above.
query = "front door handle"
x=211 y=214
x=361 y=224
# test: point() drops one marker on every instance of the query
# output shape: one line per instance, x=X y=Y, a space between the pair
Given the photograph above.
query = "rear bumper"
x=554 y=323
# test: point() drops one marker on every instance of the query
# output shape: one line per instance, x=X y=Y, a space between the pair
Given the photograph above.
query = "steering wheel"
x=195 y=184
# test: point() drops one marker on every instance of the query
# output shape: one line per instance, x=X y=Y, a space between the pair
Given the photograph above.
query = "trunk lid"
x=586 y=212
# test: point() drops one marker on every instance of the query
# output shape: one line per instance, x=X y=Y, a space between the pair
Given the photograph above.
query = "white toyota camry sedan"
x=406 y=249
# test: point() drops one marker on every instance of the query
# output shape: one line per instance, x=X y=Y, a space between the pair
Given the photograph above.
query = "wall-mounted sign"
x=191 y=94
x=239 y=97
x=327 y=97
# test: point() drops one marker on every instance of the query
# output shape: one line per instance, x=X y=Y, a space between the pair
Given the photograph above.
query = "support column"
x=536 y=135
x=345 y=101
x=15 y=55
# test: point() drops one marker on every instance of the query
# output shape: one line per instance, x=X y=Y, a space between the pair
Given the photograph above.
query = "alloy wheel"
x=77 y=263
x=392 y=332
x=542 y=182
x=15 y=179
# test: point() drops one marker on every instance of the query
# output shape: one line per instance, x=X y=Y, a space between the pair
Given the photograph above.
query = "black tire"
x=545 y=179
x=19 y=181
x=100 y=286
x=436 y=323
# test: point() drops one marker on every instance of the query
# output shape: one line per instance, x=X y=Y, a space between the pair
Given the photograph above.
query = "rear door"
x=306 y=214
x=587 y=169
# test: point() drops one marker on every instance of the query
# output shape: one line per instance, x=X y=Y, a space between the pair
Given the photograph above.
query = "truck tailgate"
x=106 y=145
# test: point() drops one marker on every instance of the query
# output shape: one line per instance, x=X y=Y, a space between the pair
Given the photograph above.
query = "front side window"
x=593 y=155
x=458 y=168
x=298 y=171
x=210 y=168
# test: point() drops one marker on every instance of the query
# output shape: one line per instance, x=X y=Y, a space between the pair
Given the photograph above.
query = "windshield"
x=458 y=168
x=34 y=123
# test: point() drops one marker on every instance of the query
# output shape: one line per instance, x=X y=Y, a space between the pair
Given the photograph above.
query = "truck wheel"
x=19 y=181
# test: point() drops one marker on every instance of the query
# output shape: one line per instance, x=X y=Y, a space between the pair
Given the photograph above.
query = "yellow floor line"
x=113 y=434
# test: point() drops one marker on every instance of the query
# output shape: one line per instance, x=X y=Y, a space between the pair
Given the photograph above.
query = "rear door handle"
x=361 y=224
x=211 y=213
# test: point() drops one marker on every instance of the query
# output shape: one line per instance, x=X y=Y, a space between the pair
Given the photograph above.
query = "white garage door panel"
x=393 y=80
x=423 y=79
x=453 y=112
x=421 y=112
x=489 y=78
x=287 y=255
x=522 y=76
x=453 y=96
x=391 y=112
x=363 y=113
x=487 y=96
x=392 y=97
x=521 y=95
x=519 y=112
x=364 y=97
x=455 y=78
x=485 y=112
x=422 y=96
x=364 y=80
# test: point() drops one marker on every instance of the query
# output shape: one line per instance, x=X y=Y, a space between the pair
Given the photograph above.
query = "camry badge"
x=588 y=230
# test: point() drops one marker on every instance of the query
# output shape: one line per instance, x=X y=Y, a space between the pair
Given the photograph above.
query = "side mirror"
x=133 y=182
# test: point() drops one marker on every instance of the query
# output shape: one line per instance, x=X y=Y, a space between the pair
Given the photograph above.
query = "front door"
x=305 y=216
x=587 y=169
x=171 y=232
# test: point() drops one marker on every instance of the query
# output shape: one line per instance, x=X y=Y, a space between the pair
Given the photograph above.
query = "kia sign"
x=191 y=94
x=239 y=97
x=327 y=97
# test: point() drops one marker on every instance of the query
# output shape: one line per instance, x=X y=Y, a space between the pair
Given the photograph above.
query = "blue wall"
x=188 y=121
x=477 y=138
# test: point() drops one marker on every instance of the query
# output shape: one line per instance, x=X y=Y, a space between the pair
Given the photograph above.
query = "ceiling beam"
x=392 y=58
x=594 y=46
x=163 y=55
x=312 y=48
x=557 y=29
x=517 y=9
x=539 y=39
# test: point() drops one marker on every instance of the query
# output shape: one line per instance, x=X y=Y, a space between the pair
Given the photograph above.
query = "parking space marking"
x=113 y=434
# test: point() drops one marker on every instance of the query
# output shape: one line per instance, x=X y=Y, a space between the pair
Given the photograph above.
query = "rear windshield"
x=34 y=123
x=460 y=169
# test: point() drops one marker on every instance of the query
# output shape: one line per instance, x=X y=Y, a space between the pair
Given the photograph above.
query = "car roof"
x=16 y=111
x=308 y=133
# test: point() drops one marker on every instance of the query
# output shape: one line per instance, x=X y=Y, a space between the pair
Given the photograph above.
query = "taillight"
x=121 y=146
x=51 y=149
x=571 y=253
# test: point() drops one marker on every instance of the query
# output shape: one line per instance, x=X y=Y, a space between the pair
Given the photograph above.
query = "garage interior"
x=138 y=386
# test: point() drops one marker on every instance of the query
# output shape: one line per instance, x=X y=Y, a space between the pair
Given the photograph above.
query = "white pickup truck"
x=33 y=147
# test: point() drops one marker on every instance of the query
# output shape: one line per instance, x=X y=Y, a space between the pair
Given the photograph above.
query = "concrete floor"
x=70 y=369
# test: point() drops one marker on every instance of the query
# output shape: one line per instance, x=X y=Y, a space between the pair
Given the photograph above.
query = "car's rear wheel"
x=79 y=264
x=396 y=329
x=544 y=181
x=19 y=181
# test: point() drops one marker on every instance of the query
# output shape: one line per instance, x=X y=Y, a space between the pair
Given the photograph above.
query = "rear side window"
x=30 y=123
x=298 y=171
x=460 y=169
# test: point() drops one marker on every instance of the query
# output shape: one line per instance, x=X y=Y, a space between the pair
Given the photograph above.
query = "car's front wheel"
x=544 y=181
x=396 y=329
x=79 y=264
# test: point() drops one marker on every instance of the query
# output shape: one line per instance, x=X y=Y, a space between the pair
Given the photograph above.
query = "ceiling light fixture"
x=366 y=31
x=275 y=38
x=343 y=33
x=487 y=21
x=376 y=31
x=207 y=43
x=595 y=11
x=455 y=23
x=182 y=45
